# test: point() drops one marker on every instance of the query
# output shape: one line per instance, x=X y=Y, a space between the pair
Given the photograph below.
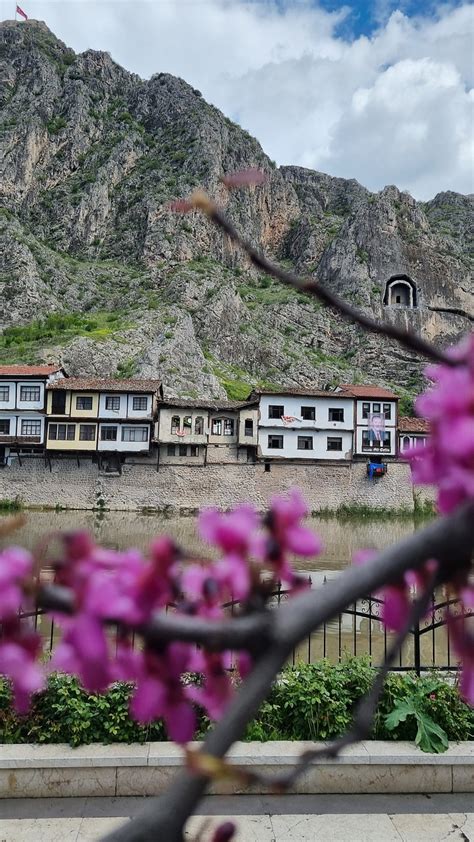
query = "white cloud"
x=392 y=108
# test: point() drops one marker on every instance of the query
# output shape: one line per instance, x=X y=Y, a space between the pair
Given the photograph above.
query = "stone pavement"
x=288 y=818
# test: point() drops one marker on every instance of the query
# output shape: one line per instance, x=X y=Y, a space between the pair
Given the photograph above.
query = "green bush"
x=308 y=702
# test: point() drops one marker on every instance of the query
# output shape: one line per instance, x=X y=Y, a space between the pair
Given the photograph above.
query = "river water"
x=341 y=538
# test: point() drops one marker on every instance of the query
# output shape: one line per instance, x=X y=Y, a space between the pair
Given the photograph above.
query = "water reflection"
x=132 y=529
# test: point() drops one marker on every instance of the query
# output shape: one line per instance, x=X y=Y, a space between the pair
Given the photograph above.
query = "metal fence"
x=358 y=630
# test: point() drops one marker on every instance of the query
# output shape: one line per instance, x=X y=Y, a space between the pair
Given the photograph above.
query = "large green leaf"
x=430 y=736
x=401 y=711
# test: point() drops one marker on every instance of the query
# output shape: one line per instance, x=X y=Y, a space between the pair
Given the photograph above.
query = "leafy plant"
x=429 y=735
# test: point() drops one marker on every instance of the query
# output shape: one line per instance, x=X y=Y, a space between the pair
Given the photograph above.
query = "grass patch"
x=24 y=342
x=15 y=505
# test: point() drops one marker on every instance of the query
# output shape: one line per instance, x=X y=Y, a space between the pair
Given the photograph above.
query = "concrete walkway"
x=289 y=818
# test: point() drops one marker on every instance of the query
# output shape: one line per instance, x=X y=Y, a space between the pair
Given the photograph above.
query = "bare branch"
x=446 y=539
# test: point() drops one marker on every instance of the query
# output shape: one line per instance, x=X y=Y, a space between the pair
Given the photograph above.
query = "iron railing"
x=358 y=630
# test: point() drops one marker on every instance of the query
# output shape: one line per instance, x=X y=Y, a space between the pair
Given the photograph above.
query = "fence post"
x=416 y=648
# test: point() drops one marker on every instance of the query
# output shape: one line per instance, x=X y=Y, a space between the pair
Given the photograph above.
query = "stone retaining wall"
x=140 y=486
x=32 y=771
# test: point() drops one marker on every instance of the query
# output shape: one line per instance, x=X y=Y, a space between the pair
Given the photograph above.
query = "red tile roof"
x=28 y=370
x=95 y=384
x=413 y=425
x=357 y=391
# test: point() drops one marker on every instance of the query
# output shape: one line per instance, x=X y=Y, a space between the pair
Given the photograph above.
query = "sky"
x=379 y=91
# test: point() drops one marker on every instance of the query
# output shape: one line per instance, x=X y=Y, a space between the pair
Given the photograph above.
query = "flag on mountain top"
x=20 y=11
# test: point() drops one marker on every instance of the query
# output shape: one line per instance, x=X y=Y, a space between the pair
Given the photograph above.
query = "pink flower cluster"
x=125 y=590
x=447 y=460
x=20 y=645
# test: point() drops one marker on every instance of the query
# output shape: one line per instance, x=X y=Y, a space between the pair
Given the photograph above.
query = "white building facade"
x=313 y=425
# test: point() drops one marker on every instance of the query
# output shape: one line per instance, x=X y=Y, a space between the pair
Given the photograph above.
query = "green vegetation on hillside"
x=25 y=342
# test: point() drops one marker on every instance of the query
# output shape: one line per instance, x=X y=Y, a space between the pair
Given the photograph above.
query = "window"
x=171 y=450
x=248 y=427
x=112 y=402
x=140 y=404
x=308 y=413
x=108 y=433
x=175 y=422
x=276 y=411
x=275 y=442
x=62 y=432
x=387 y=439
x=216 y=428
x=365 y=410
x=406 y=441
x=86 y=432
x=31 y=428
x=4 y=393
x=228 y=427
x=376 y=408
x=305 y=442
x=5 y=426
x=84 y=402
x=387 y=410
x=194 y=450
x=183 y=450
x=334 y=443
x=134 y=433
x=187 y=423
x=199 y=426
x=29 y=393
x=336 y=414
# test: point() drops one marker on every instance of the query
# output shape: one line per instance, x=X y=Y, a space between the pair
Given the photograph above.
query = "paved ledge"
x=37 y=771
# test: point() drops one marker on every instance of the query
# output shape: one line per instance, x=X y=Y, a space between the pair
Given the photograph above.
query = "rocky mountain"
x=97 y=273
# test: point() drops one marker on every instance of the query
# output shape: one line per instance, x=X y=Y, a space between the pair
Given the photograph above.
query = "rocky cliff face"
x=97 y=273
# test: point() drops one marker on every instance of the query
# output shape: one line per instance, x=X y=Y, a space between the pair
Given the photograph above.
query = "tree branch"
x=446 y=539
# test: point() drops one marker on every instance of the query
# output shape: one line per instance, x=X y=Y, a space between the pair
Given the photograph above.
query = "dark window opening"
x=108 y=433
x=365 y=410
x=86 y=432
x=194 y=450
x=387 y=410
x=171 y=450
x=4 y=393
x=183 y=450
x=305 y=443
x=84 y=402
x=336 y=414
x=5 y=427
x=275 y=442
x=276 y=411
x=376 y=408
x=334 y=443
x=175 y=422
x=140 y=404
x=308 y=413
x=248 y=427
x=199 y=426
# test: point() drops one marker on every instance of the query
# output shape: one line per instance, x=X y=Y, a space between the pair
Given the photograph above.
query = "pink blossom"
x=216 y=690
x=225 y=832
x=447 y=461
x=160 y=692
x=230 y=532
x=396 y=606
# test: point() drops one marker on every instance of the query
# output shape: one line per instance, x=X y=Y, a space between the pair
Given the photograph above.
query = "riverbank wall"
x=183 y=488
